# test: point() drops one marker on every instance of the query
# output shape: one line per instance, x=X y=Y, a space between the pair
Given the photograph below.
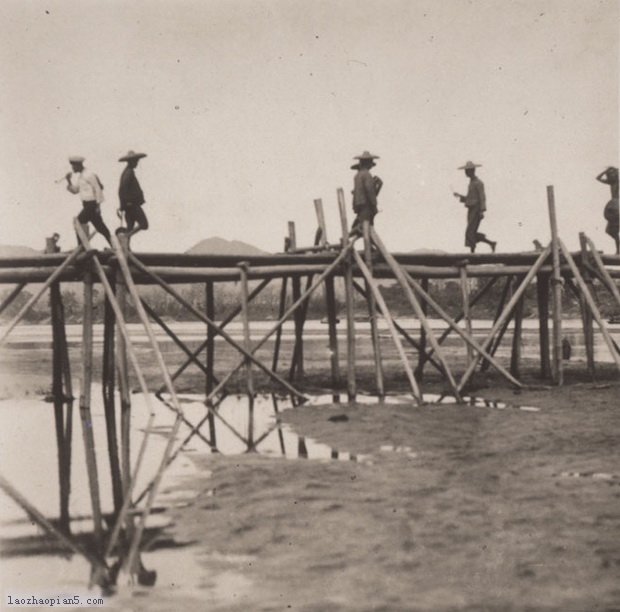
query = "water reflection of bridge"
x=308 y=269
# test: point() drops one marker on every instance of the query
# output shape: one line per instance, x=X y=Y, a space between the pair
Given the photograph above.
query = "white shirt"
x=86 y=184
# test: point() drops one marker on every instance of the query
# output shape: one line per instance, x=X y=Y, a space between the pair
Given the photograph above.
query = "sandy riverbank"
x=446 y=508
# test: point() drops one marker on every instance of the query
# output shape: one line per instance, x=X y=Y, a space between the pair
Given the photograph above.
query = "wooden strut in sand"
x=586 y=315
x=372 y=285
x=249 y=355
x=404 y=283
x=62 y=394
x=427 y=355
x=515 y=353
x=245 y=318
x=130 y=483
x=137 y=536
x=542 y=296
x=210 y=378
x=591 y=303
x=465 y=335
x=415 y=343
x=85 y=411
x=506 y=293
x=556 y=282
x=349 y=298
x=234 y=312
x=464 y=283
x=372 y=312
x=505 y=314
x=422 y=358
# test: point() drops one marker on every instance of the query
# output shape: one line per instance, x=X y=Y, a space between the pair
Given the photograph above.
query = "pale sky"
x=250 y=109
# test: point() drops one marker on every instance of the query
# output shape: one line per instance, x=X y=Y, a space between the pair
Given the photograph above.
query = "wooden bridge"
x=120 y=271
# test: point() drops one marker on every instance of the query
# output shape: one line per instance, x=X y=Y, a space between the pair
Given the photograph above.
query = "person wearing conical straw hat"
x=366 y=187
x=475 y=202
x=130 y=195
x=86 y=184
x=612 y=209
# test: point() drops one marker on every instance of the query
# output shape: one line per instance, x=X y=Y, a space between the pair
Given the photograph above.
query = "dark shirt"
x=475 y=197
x=129 y=190
x=364 y=191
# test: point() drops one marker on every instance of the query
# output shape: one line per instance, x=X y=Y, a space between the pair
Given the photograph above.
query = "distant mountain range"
x=220 y=246
x=10 y=250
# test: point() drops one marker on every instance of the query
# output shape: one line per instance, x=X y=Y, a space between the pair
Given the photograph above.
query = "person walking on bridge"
x=475 y=201
x=131 y=196
x=87 y=185
x=612 y=209
x=366 y=187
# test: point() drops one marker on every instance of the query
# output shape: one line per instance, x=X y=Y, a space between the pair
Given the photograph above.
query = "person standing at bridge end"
x=366 y=187
x=476 y=204
x=130 y=195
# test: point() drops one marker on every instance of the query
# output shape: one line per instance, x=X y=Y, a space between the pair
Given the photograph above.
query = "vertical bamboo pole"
x=122 y=366
x=515 y=356
x=395 y=337
x=210 y=356
x=415 y=304
x=466 y=315
x=330 y=299
x=278 y=340
x=542 y=292
x=320 y=215
x=422 y=356
x=109 y=404
x=500 y=308
x=85 y=412
x=349 y=296
x=586 y=314
x=372 y=312
x=58 y=395
x=297 y=361
x=245 y=317
x=558 y=366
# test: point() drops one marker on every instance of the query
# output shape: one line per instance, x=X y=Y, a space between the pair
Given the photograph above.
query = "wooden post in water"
x=330 y=299
x=85 y=412
x=109 y=387
x=515 y=355
x=465 y=295
x=542 y=292
x=422 y=356
x=349 y=297
x=372 y=312
x=558 y=366
x=122 y=366
x=586 y=314
x=210 y=355
x=58 y=394
x=245 y=317
x=297 y=361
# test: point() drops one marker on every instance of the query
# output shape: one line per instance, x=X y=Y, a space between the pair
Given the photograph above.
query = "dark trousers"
x=91 y=213
x=134 y=214
x=363 y=214
x=472 y=235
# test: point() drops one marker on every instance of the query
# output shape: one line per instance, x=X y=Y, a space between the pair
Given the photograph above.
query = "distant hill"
x=9 y=250
x=219 y=246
